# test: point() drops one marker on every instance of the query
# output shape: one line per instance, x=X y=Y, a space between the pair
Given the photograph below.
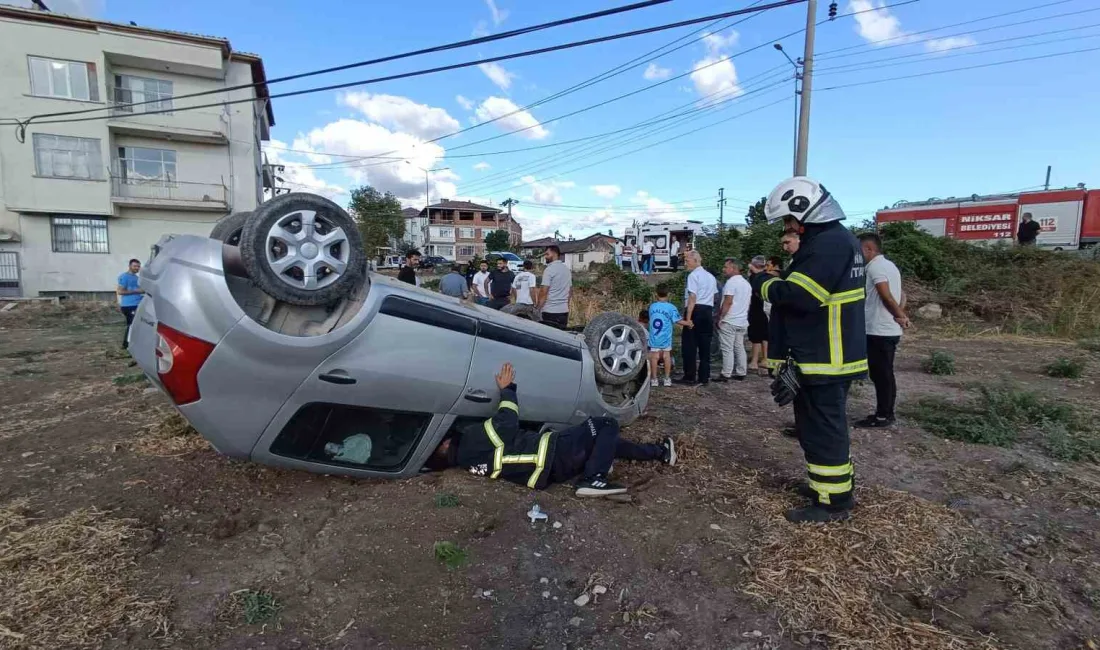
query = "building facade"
x=456 y=230
x=78 y=199
x=415 y=223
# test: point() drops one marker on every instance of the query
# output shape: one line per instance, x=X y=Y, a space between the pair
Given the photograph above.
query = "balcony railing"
x=159 y=189
x=120 y=97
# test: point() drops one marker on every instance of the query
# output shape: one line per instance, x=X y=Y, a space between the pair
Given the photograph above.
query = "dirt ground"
x=953 y=545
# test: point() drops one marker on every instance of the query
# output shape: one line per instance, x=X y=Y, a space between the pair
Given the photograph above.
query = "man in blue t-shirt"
x=663 y=316
x=129 y=297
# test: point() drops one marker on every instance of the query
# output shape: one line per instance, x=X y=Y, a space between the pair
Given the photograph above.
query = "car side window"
x=363 y=438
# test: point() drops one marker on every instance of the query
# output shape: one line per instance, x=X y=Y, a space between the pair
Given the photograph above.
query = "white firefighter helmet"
x=804 y=200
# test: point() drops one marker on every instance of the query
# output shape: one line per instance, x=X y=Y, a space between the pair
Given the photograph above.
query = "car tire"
x=617 y=345
x=228 y=229
x=526 y=312
x=303 y=249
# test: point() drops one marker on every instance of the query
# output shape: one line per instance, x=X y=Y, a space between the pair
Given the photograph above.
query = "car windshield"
x=511 y=257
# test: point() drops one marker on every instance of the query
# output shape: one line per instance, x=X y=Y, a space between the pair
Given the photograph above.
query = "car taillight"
x=179 y=358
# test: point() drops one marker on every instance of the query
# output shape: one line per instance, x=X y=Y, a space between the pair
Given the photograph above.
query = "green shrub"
x=446 y=500
x=450 y=554
x=939 y=363
x=1067 y=368
x=127 y=380
x=624 y=285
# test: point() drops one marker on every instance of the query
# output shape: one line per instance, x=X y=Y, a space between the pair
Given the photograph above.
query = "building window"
x=465 y=216
x=137 y=90
x=445 y=233
x=64 y=79
x=61 y=156
x=466 y=251
x=79 y=235
x=137 y=164
x=445 y=251
x=466 y=233
x=580 y=257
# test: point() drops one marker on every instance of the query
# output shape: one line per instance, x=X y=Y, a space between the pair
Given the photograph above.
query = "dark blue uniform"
x=818 y=322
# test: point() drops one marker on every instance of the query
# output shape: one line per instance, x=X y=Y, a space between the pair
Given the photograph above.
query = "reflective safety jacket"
x=817 y=307
x=498 y=448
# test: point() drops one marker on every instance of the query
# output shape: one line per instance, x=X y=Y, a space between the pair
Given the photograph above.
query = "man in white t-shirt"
x=733 y=322
x=619 y=253
x=699 y=311
x=886 y=320
x=647 y=257
x=523 y=287
x=674 y=255
x=481 y=284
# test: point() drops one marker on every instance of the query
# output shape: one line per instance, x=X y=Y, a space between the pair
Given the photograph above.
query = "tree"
x=761 y=238
x=379 y=217
x=497 y=240
x=716 y=248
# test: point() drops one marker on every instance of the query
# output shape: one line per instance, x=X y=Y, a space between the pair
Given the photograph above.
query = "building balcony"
x=169 y=194
x=160 y=120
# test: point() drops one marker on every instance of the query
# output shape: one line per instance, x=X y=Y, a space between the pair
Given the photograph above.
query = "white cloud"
x=546 y=192
x=716 y=43
x=499 y=15
x=402 y=114
x=495 y=107
x=464 y=103
x=481 y=166
x=299 y=178
x=543 y=222
x=878 y=25
x=654 y=72
x=606 y=191
x=497 y=74
x=406 y=180
x=715 y=78
x=480 y=29
x=949 y=43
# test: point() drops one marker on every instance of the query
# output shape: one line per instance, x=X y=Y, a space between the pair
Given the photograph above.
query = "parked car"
x=515 y=263
x=432 y=261
x=284 y=350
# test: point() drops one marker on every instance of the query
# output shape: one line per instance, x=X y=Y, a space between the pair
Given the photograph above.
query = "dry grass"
x=586 y=305
x=171 y=436
x=70 y=582
x=827 y=581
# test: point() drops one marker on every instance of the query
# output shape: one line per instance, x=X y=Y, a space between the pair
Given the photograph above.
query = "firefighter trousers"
x=821 y=421
x=590 y=448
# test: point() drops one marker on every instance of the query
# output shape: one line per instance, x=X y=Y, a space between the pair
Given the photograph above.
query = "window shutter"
x=93 y=83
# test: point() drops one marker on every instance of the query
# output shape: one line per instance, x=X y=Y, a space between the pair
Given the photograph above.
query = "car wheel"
x=617 y=345
x=303 y=249
x=526 y=312
x=228 y=229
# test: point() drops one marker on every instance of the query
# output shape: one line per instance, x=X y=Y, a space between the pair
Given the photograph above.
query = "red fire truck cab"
x=1069 y=218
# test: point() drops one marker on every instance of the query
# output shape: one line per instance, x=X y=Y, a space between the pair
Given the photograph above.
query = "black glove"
x=785 y=385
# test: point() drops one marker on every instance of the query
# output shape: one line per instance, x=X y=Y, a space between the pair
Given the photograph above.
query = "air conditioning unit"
x=8 y=236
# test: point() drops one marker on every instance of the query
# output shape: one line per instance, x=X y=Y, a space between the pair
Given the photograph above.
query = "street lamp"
x=797 y=76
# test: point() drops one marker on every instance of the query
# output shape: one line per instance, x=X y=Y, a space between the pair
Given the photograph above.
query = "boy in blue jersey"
x=663 y=317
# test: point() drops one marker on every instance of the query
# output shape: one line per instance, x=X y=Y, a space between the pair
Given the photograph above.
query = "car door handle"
x=336 y=378
x=479 y=396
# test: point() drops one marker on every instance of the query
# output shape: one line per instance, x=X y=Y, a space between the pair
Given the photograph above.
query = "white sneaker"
x=668 y=381
x=654 y=383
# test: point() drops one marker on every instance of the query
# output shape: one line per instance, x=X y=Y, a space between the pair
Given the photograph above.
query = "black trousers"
x=128 y=312
x=822 y=424
x=695 y=342
x=880 y=362
x=499 y=303
x=559 y=320
x=592 y=446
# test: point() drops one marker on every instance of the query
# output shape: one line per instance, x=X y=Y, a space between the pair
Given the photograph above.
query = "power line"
x=465 y=64
x=971 y=67
x=394 y=57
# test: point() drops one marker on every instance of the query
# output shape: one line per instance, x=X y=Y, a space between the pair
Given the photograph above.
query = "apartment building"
x=456 y=230
x=80 y=198
x=414 y=229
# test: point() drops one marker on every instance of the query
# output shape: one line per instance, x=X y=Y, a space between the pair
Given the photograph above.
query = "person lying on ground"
x=499 y=448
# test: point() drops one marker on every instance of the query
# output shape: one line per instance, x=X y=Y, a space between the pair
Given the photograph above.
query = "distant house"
x=414 y=229
x=535 y=247
x=456 y=230
x=578 y=254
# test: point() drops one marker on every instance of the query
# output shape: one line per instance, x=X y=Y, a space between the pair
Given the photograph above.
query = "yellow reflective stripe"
x=498 y=451
x=764 y=287
x=511 y=406
x=830 y=470
x=844 y=297
x=810 y=285
x=831 y=488
x=836 y=344
x=773 y=363
x=829 y=369
x=512 y=460
x=544 y=444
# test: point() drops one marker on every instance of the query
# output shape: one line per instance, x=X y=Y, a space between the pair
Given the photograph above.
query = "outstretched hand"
x=506 y=377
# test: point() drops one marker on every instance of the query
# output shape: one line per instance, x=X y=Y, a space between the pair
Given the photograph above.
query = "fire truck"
x=1069 y=218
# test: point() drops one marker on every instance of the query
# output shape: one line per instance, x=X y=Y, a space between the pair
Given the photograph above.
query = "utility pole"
x=721 y=208
x=807 y=89
x=1046 y=185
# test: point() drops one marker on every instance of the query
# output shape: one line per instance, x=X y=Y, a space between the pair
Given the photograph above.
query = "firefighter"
x=500 y=448
x=817 y=339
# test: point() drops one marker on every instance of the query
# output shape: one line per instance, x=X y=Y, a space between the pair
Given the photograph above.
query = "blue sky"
x=977 y=131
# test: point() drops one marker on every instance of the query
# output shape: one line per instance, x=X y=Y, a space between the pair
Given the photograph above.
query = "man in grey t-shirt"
x=557 y=283
x=453 y=284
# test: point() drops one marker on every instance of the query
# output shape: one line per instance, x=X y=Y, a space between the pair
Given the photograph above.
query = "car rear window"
x=350 y=436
